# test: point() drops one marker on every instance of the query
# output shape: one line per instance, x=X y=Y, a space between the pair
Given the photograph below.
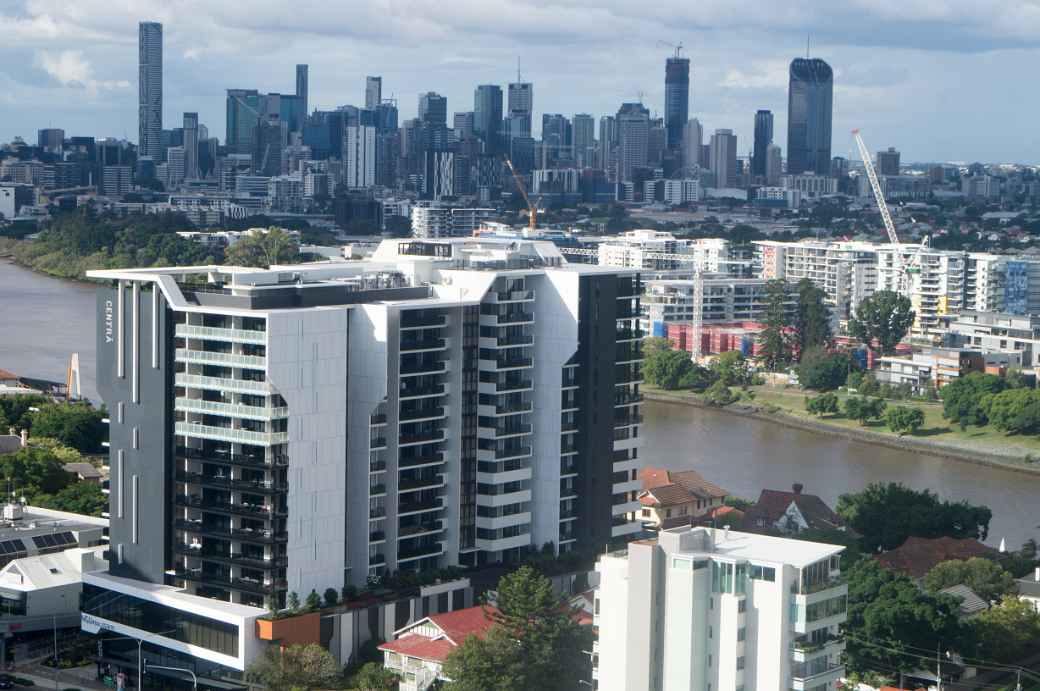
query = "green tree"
x=890 y=620
x=295 y=666
x=373 y=676
x=824 y=404
x=78 y=425
x=1006 y=631
x=33 y=470
x=16 y=409
x=719 y=395
x=823 y=371
x=313 y=601
x=264 y=249
x=863 y=409
x=903 y=420
x=963 y=398
x=1015 y=411
x=535 y=642
x=886 y=514
x=331 y=598
x=731 y=368
x=672 y=369
x=985 y=576
x=885 y=316
x=812 y=322
x=775 y=339
x=80 y=497
x=655 y=344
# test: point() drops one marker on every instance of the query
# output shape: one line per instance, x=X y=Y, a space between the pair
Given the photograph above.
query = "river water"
x=43 y=320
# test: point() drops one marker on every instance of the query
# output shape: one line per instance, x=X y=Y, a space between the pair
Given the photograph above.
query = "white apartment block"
x=994 y=332
x=719 y=298
x=435 y=221
x=682 y=191
x=719 y=610
x=359 y=154
x=648 y=250
x=810 y=185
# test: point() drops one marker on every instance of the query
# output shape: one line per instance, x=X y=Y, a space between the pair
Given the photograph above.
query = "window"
x=646 y=513
x=742 y=606
x=742 y=632
x=763 y=573
x=740 y=663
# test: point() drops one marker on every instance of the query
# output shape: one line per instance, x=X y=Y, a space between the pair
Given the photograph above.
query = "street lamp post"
x=194 y=678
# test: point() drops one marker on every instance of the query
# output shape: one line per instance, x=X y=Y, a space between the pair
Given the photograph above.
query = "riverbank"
x=53 y=266
x=1012 y=459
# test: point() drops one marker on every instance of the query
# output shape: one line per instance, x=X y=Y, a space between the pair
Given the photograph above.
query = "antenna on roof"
x=808 y=40
x=518 y=77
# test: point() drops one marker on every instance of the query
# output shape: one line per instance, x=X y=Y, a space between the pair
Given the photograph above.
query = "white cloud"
x=70 y=69
x=763 y=74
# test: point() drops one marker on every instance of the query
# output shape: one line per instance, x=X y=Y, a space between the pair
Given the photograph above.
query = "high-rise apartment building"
x=809 y=111
x=676 y=99
x=191 y=146
x=520 y=108
x=149 y=89
x=584 y=136
x=709 y=608
x=607 y=142
x=633 y=132
x=302 y=88
x=763 y=138
x=888 y=162
x=774 y=165
x=724 y=158
x=359 y=157
x=269 y=139
x=487 y=116
x=373 y=92
x=309 y=426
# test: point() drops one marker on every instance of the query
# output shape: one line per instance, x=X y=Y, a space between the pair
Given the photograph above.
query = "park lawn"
x=935 y=428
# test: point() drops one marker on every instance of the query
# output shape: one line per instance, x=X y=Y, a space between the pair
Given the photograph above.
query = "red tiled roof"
x=414 y=645
x=463 y=623
x=690 y=480
x=772 y=505
x=7 y=376
x=669 y=495
x=918 y=555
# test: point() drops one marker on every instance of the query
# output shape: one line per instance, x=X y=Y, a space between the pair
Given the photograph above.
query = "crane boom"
x=532 y=209
x=875 y=185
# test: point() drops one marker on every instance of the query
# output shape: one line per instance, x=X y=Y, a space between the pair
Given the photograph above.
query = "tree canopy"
x=822 y=370
x=77 y=425
x=295 y=666
x=263 y=249
x=775 y=340
x=672 y=369
x=812 y=322
x=1006 y=631
x=904 y=420
x=886 y=514
x=964 y=398
x=885 y=316
x=986 y=577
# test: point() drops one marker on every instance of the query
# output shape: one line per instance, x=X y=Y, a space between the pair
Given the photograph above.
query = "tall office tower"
x=388 y=151
x=633 y=127
x=303 y=428
x=711 y=608
x=359 y=153
x=763 y=138
x=809 y=110
x=244 y=108
x=724 y=158
x=607 y=141
x=191 y=146
x=50 y=140
x=774 y=165
x=301 y=88
x=888 y=162
x=149 y=88
x=176 y=166
x=676 y=99
x=557 y=140
x=433 y=109
x=373 y=92
x=487 y=116
x=520 y=108
x=584 y=135
x=438 y=174
x=463 y=125
x=269 y=138
x=656 y=143
x=693 y=138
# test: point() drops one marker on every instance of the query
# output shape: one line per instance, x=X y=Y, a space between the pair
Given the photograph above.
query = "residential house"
x=675 y=498
x=790 y=513
x=1029 y=589
x=918 y=555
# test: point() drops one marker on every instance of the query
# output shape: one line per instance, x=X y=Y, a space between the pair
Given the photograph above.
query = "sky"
x=941 y=80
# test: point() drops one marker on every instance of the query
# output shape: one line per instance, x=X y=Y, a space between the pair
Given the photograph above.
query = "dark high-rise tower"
x=149 y=89
x=433 y=109
x=191 y=146
x=809 y=110
x=373 y=92
x=301 y=88
x=521 y=106
x=487 y=116
x=763 y=138
x=676 y=98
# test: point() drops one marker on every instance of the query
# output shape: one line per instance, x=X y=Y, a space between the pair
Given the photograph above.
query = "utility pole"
x=938 y=668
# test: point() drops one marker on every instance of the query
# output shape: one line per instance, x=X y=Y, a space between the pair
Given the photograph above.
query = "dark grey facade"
x=676 y=99
x=149 y=88
x=134 y=368
x=487 y=116
x=809 y=112
x=763 y=138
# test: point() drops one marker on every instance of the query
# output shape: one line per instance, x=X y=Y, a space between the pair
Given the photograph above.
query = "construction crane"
x=677 y=46
x=905 y=267
x=532 y=209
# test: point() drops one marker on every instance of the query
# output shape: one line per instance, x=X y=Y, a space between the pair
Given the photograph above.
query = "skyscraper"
x=774 y=165
x=888 y=162
x=433 y=109
x=809 y=109
x=584 y=129
x=676 y=98
x=463 y=125
x=373 y=92
x=359 y=153
x=149 y=89
x=243 y=112
x=633 y=128
x=487 y=116
x=763 y=138
x=191 y=146
x=607 y=141
x=301 y=88
x=724 y=158
x=520 y=108
x=693 y=138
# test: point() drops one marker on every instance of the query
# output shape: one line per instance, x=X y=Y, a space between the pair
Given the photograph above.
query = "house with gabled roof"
x=789 y=513
x=672 y=498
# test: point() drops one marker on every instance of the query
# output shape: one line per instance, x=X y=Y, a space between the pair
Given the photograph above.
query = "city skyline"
x=81 y=75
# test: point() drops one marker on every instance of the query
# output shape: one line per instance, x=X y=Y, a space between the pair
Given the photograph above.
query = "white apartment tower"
x=359 y=152
x=719 y=610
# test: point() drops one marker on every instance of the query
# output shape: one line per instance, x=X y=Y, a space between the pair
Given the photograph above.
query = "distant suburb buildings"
x=720 y=610
x=444 y=402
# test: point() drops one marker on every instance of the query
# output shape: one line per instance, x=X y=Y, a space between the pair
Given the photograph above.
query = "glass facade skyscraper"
x=676 y=99
x=487 y=116
x=809 y=110
x=149 y=89
x=763 y=138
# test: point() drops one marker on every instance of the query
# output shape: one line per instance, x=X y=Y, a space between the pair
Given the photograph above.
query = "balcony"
x=431 y=437
x=243 y=460
x=225 y=581
x=422 y=391
x=499 y=387
x=409 y=508
x=803 y=650
x=505 y=431
x=418 y=368
x=225 y=482
x=264 y=512
x=406 y=485
x=197 y=527
x=420 y=461
x=414 y=345
x=510 y=296
x=196 y=381
x=822 y=589
x=210 y=357
x=376 y=490
x=507 y=341
x=429 y=413
x=502 y=454
x=424 y=528
x=507 y=363
x=248 y=412
x=414 y=320
x=434 y=550
x=230 y=434
x=214 y=333
x=511 y=318
x=233 y=558
x=808 y=676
